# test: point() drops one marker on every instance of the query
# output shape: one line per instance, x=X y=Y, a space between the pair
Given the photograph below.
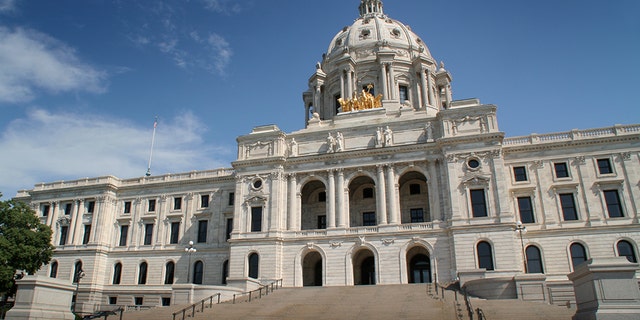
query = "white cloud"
x=221 y=52
x=31 y=61
x=47 y=146
x=222 y=6
x=7 y=5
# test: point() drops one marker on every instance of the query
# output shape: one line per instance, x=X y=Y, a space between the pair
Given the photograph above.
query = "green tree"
x=25 y=242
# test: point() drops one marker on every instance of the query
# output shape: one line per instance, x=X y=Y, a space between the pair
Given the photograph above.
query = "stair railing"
x=197 y=307
x=258 y=293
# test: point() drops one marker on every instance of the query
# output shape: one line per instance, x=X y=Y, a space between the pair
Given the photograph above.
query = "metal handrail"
x=276 y=284
x=480 y=314
x=193 y=307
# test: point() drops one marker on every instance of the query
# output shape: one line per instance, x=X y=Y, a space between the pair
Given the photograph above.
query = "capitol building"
x=388 y=181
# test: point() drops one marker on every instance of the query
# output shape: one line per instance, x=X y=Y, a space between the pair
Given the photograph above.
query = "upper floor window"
x=202 y=230
x=175 y=232
x=485 y=255
x=578 y=254
x=625 y=249
x=256 y=219
x=198 y=272
x=561 y=169
x=367 y=193
x=368 y=218
x=117 y=273
x=232 y=198
x=478 y=203
x=322 y=196
x=520 y=173
x=77 y=272
x=526 y=210
x=417 y=215
x=169 y=272
x=604 y=166
x=87 y=234
x=124 y=230
x=614 y=206
x=177 y=203
x=254 y=261
x=534 y=260
x=414 y=188
x=152 y=205
x=91 y=206
x=322 y=222
x=45 y=210
x=64 y=230
x=569 y=211
x=67 y=209
x=204 y=201
x=127 y=207
x=148 y=233
x=229 y=228
x=53 y=273
x=404 y=93
x=142 y=273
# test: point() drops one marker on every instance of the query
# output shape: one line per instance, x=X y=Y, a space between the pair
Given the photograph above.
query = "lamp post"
x=79 y=275
x=521 y=229
x=189 y=250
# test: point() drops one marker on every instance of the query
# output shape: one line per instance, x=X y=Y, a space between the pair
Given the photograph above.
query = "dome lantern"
x=370 y=7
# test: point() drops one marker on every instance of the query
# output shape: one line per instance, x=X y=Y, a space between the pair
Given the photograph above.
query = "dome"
x=373 y=29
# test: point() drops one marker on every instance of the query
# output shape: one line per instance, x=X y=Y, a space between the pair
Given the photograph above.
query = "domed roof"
x=374 y=29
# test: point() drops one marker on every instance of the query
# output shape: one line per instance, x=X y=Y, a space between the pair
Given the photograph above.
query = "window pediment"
x=475 y=180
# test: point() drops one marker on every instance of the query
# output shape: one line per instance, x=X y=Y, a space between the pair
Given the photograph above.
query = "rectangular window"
x=87 y=234
x=166 y=301
x=367 y=193
x=322 y=222
x=138 y=301
x=152 y=205
x=204 y=201
x=604 y=166
x=202 y=230
x=520 y=173
x=175 y=232
x=45 y=210
x=368 y=218
x=417 y=215
x=322 y=197
x=526 y=210
x=113 y=300
x=91 y=206
x=229 y=228
x=124 y=230
x=177 y=203
x=568 y=204
x=67 y=209
x=232 y=198
x=614 y=206
x=562 y=171
x=404 y=93
x=414 y=188
x=256 y=219
x=478 y=203
x=148 y=233
x=64 y=230
x=127 y=207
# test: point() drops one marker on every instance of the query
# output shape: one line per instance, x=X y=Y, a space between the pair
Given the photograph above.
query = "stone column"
x=163 y=208
x=293 y=209
x=331 y=201
x=424 y=96
x=432 y=98
x=381 y=201
x=341 y=197
x=55 y=237
x=383 y=77
x=342 y=90
x=76 y=222
x=392 y=199
x=316 y=99
x=433 y=190
x=392 y=83
x=349 y=84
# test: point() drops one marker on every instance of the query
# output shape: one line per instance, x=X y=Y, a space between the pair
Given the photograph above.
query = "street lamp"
x=79 y=275
x=521 y=229
x=189 y=250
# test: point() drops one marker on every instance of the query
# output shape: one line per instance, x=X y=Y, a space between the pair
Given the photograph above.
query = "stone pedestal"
x=42 y=298
x=605 y=289
x=531 y=287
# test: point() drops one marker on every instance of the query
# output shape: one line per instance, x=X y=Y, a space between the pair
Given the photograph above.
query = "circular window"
x=257 y=184
x=473 y=163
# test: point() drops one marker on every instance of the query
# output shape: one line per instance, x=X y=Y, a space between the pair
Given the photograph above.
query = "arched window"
x=225 y=271
x=254 y=261
x=625 y=249
x=534 y=260
x=485 y=256
x=77 y=272
x=578 y=254
x=169 y=271
x=198 y=270
x=53 y=273
x=142 y=274
x=117 y=273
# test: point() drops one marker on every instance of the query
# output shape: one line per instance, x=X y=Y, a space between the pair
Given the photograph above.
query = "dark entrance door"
x=368 y=271
x=420 y=269
x=317 y=275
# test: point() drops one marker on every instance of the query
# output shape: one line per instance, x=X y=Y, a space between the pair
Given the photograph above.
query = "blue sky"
x=81 y=81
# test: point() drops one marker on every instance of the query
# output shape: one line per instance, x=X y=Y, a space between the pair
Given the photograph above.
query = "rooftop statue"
x=364 y=101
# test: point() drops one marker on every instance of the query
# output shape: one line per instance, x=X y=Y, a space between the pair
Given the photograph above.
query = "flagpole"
x=153 y=139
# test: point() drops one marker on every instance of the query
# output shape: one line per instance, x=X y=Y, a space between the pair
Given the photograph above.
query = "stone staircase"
x=415 y=301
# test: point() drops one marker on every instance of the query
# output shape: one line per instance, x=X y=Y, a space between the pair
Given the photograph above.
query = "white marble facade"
x=422 y=189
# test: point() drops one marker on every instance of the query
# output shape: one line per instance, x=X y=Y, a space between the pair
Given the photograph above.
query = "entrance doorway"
x=312 y=269
x=364 y=268
x=420 y=269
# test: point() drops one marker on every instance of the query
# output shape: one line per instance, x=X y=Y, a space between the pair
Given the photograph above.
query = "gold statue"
x=364 y=101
